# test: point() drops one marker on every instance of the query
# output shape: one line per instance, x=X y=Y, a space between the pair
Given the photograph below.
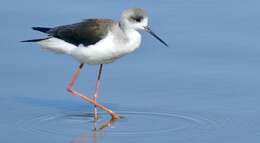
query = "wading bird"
x=96 y=42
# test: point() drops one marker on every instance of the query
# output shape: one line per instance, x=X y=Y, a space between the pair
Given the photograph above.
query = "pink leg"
x=96 y=94
x=75 y=93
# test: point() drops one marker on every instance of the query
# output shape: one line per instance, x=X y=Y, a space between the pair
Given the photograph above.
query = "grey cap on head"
x=135 y=13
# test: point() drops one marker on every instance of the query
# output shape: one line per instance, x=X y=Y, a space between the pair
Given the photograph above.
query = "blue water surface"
x=203 y=89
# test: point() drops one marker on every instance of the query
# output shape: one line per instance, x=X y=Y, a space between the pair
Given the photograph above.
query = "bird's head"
x=137 y=19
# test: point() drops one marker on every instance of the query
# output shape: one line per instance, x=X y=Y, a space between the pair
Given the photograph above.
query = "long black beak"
x=147 y=29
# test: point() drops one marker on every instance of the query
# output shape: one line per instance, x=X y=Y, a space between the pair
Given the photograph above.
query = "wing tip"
x=42 y=29
x=33 y=40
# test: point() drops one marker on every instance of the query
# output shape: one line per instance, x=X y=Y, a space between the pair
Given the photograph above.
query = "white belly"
x=107 y=50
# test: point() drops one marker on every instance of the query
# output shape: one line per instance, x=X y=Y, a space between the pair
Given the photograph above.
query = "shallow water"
x=204 y=88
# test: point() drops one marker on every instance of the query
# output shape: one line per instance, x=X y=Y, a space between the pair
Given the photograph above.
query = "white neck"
x=127 y=30
x=132 y=35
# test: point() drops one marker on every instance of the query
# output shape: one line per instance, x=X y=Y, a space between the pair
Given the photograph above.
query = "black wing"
x=87 y=32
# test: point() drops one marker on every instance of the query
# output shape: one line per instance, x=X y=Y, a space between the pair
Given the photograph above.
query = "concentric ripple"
x=131 y=123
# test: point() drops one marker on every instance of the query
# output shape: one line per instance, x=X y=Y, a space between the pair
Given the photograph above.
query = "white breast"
x=109 y=49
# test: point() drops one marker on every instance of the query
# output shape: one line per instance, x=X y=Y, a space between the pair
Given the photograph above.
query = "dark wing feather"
x=42 y=29
x=87 y=32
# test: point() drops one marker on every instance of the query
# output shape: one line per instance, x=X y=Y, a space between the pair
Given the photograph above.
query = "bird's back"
x=87 y=32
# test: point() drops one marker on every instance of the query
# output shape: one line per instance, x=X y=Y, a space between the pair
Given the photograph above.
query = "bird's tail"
x=54 y=45
x=50 y=43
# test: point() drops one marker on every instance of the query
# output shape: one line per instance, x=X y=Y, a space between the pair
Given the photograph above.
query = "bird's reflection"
x=92 y=137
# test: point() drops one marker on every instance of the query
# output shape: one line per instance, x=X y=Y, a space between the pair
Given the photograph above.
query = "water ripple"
x=131 y=123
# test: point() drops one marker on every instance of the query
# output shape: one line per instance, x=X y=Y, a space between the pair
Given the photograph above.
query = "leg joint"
x=69 y=89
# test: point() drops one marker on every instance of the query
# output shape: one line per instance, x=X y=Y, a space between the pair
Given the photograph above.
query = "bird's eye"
x=137 y=18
